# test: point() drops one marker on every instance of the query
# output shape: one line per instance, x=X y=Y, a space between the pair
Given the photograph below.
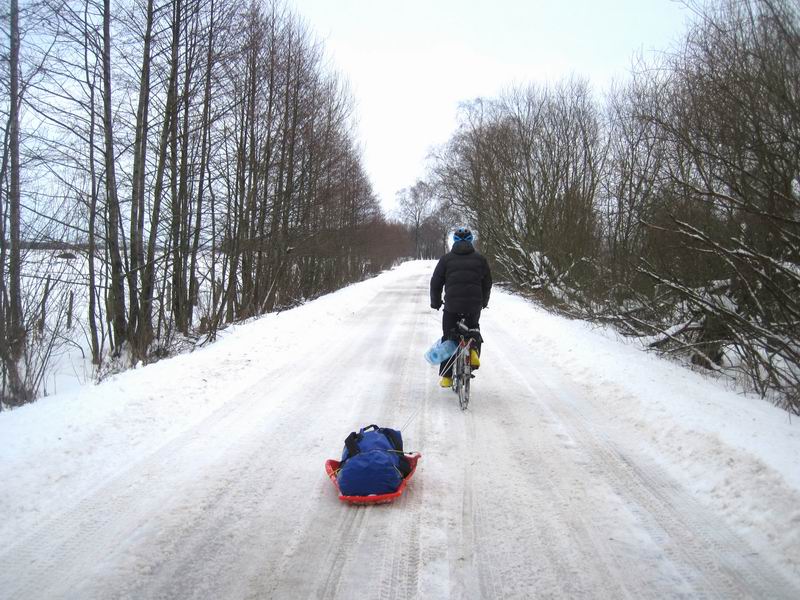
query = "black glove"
x=436 y=305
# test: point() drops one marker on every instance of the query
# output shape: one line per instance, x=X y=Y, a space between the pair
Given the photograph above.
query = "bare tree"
x=525 y=170
x=117 y=302
x=13 y=327
x=673 y=211
x=732 y=132
x=414 y=206
x=234 y=145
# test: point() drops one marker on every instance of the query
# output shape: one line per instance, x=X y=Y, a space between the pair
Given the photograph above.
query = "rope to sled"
x=449 y=363
x=411 y=418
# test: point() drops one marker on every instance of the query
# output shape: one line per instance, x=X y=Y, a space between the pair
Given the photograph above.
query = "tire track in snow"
x=191 y=529
x=416 y=398
x=69 y=538
x=464 y=567
x=352 y=523
x=710 y=557
x=388 y=560
x=96 y=513
x=535 y=546
x=332 y=572
x=679 y=526
x=475 y=521
x=92 y=523
x=337 y=543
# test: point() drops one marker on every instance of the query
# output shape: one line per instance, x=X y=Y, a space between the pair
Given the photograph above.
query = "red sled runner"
x=332 y=469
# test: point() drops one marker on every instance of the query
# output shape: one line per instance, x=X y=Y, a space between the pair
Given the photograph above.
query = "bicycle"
x=461 y=366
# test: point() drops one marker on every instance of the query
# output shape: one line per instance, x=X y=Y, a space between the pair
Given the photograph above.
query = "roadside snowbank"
x=63 y=446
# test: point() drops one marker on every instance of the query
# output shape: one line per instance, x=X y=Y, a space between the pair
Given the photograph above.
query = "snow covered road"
x=584 y=468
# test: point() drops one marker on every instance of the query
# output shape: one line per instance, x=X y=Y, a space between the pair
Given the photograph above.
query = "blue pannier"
x=372 y=462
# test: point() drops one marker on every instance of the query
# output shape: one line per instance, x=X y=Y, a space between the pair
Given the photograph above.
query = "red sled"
x=332 y=468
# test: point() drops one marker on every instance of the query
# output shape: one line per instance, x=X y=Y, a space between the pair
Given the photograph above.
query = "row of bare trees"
x=199 y=154
x=428 y=220
x=671 y=208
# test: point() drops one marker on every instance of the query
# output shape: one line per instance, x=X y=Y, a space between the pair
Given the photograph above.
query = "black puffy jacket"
x=465 y=276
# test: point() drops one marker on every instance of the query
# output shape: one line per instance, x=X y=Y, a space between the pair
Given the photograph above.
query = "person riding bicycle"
x=467 y=281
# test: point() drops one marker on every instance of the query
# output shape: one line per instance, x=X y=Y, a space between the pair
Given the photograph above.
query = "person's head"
x=462 y=234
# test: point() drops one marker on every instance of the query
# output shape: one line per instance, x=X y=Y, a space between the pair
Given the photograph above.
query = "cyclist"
x=467 y=281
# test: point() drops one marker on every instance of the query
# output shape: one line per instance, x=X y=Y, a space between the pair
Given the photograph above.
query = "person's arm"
x=486 y=284
x=437 y=284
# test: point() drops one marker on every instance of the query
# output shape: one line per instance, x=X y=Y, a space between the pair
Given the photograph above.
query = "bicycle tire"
x=456 y=380
x=463 y=394
x=467 y=379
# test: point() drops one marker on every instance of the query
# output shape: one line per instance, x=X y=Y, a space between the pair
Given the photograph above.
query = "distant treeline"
x=53 y=245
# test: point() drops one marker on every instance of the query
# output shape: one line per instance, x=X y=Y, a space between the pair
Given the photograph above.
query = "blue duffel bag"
x=372 y=462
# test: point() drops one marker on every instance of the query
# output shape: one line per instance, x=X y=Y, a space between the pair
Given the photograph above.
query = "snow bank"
x=736 y=452
x=65 y=445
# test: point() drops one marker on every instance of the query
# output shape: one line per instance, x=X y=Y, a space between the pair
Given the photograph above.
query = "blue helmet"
x=462 y=234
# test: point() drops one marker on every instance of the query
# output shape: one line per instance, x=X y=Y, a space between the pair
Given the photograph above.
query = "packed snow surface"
x=584 y=467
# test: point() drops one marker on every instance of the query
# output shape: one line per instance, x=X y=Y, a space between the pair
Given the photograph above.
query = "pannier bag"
x=440 y=351
x=372 y=462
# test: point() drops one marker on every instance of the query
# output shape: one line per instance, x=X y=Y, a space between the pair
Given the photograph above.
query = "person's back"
x=465 y=276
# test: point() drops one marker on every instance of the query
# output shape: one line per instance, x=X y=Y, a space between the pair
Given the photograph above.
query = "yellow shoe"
x=446 y=382
x=473 y=358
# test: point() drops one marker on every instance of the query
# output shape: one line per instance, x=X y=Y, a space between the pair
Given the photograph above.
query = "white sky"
x=410 y=63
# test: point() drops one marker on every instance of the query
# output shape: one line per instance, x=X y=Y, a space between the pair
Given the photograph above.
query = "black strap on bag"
x=404 y=467
x=397 y=443
x=351 y=443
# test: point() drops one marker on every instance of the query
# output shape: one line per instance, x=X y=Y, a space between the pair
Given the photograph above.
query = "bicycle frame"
x=462 y=367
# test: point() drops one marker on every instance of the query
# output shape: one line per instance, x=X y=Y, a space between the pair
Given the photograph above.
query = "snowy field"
x=584 y=468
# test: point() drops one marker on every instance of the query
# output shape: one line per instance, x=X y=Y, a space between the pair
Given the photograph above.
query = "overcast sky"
x=411 y=62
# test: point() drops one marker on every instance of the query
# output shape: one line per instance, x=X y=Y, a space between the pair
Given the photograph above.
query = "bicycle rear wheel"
x=465 y=376
x=454 y=373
